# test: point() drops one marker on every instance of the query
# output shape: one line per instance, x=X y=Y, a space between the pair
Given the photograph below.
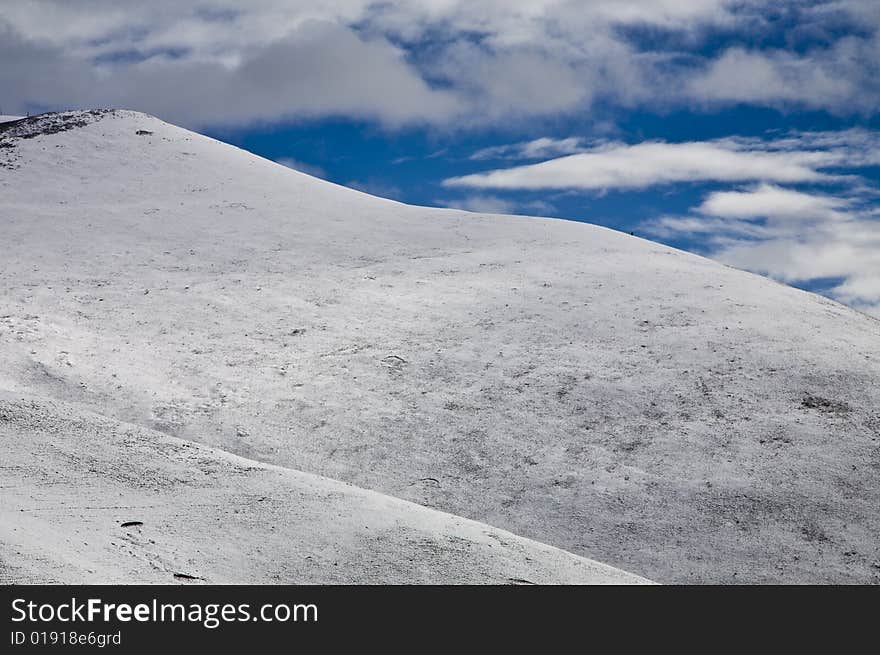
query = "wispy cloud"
x=625 y=166
x=489 y=204
x=793 y=236
x=482 y=204
x=302 y=167
x=542 y=148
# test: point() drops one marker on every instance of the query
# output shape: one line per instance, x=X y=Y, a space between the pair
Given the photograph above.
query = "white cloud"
x=319 y=69
x=719 y=229
x=623 y=166
x=850 y=252
x=772 y=202
x=842 y=79
x=793 y=236
x=515 y=83
x=483 y=204
x=302 y=167
x=852 y=147
x=488 y=204
x=744 y=76
x=444 y=62
x=541 y=148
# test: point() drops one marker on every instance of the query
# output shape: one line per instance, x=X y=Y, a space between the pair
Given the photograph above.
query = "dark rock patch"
x=825 y=405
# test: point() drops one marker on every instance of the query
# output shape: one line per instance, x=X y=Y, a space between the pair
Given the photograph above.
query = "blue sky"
x=745 y=130
x=411 y=164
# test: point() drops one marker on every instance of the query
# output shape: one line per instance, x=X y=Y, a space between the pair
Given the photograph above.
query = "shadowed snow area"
x=607 y=395
x=89 y=499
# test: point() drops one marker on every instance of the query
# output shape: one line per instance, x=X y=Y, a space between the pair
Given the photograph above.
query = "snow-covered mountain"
x=89 y=499
x=583 y=388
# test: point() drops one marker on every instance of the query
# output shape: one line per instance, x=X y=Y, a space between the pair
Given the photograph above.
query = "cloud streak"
x=542 y=148
x=642 y=165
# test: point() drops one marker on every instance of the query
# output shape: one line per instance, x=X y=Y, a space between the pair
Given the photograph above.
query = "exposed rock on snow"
x=610 y=396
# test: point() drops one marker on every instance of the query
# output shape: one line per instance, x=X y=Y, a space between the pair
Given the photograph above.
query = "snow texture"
x=604 y=394
x=91 y=500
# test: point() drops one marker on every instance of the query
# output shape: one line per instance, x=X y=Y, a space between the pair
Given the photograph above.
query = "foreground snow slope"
x=601 y=393
x=72 y=480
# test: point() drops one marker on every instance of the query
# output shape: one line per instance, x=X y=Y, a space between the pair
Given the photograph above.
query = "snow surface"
x=88 y=499
x=6 y=119
x=604 y=394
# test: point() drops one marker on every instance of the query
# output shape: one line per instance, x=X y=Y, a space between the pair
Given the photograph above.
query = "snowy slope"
x=73 y=480
x=587 y=389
